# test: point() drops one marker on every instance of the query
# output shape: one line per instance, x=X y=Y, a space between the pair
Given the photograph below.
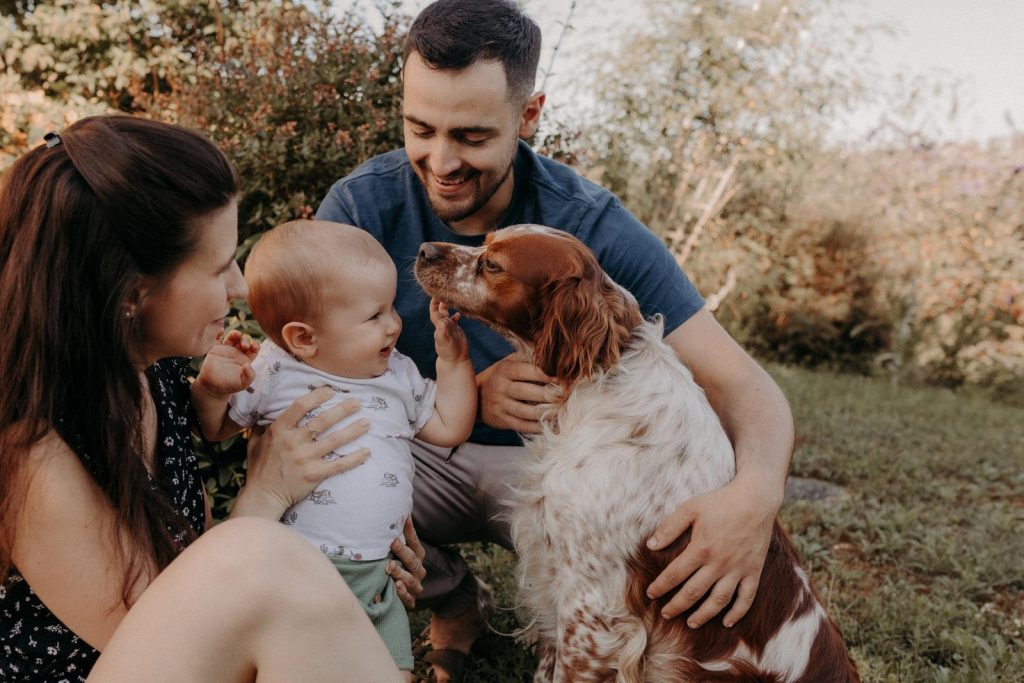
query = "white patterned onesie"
x=354 y=515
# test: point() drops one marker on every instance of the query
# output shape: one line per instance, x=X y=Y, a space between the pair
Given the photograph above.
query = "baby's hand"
x=449 y=339
x=227 y=368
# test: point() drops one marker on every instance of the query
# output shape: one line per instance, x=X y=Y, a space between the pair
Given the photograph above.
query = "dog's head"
x=543 y=289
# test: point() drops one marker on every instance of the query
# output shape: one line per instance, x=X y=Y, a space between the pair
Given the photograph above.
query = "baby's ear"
x=299 y=339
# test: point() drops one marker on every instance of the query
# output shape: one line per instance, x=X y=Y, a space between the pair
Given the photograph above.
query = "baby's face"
x=360 y=326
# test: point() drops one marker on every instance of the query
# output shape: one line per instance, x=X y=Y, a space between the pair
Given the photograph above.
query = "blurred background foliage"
x=899 y=256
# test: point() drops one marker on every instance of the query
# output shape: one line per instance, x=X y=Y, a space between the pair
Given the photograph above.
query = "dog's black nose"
x=429 y=252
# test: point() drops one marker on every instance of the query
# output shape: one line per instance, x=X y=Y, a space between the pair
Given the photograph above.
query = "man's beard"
x=454 y=214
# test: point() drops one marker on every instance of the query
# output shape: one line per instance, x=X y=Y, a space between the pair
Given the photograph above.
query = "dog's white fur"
x=615 y=457
x=622 y=452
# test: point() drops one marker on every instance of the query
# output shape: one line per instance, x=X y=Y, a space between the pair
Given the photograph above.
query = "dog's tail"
x=632 y=656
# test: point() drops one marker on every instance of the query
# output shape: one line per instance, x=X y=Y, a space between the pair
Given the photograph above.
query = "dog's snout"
x=429 y=252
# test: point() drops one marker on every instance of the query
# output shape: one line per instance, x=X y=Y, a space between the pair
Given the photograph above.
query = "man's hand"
x=449 y=339
x=514 y=394
x=732 y=529
x=408 y=571
x=227 y=368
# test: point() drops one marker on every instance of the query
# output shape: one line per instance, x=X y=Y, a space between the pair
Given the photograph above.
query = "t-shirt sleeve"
x=338 y=206
x=422 y=390
x=639 y=261
x=246 y=407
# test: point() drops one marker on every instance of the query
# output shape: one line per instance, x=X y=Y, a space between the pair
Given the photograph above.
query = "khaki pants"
x=459 y=496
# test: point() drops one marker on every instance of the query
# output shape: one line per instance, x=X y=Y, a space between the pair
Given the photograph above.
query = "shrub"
x=297 y=98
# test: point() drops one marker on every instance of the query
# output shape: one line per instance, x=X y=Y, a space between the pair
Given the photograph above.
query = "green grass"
x=922 y=566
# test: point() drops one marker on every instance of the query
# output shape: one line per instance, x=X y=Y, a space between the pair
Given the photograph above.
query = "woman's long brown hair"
x=81 y=223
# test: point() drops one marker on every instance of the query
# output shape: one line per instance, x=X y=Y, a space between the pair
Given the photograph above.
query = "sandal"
x=455 y=662
x=452 y=661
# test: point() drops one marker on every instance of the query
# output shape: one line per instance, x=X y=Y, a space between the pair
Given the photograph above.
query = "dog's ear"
x=586 y=324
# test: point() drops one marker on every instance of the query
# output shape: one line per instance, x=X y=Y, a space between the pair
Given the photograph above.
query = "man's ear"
x=530 y=118
x=300 y=340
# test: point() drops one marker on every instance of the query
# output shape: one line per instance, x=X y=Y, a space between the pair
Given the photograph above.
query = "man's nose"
x=443 y=159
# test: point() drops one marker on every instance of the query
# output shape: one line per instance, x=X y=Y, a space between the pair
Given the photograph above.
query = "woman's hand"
x=408 y=574
x=288 y=460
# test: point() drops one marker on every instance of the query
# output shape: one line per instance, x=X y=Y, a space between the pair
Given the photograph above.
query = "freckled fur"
x=631 y=437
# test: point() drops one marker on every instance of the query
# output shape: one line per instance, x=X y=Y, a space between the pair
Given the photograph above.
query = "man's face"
x=460 y=136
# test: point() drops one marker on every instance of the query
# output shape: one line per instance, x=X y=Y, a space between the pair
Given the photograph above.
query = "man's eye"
x=422 y=133
x=473 y=142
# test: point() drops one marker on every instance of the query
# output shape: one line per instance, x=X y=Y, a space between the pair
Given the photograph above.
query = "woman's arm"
x=65 y=544
x=65 y=539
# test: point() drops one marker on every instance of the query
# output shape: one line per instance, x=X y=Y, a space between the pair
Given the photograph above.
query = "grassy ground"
x=923 y=565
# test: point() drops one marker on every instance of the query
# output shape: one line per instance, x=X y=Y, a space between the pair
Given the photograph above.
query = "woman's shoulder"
x=54 y=470
x=50 y=451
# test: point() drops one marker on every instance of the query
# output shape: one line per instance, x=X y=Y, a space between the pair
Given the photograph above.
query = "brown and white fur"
x=631 y=437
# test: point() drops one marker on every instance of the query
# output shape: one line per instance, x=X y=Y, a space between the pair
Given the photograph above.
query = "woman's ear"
x=135 y=301
x=300 y=340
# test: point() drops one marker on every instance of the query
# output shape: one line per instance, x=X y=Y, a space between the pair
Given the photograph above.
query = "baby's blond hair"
x=288 y=269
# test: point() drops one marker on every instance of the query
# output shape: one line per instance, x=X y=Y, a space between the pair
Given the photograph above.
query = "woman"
x=117 y=243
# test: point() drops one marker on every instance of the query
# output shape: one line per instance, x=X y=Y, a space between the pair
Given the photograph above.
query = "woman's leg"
x=249 y=600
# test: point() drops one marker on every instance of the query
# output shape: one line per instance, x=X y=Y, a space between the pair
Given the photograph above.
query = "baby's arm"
x=226 y=370
x=455 y=402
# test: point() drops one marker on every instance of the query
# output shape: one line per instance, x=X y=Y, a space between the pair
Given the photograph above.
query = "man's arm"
x=732 y=526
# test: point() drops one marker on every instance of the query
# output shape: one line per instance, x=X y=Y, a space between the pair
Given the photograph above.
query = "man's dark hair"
x=452 y=34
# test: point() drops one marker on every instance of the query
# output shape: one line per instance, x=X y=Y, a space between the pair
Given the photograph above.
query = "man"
x=470 y=68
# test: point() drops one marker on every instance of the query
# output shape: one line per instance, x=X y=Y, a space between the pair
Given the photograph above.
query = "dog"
x=630 y=438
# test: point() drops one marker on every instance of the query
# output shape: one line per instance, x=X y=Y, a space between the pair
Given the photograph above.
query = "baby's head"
x=325 y=293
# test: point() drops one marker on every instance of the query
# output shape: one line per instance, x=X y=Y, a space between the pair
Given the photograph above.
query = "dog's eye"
x=490 y=265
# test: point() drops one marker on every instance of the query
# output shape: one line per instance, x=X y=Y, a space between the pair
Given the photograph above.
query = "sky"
x=981 y=42
x=978 y=44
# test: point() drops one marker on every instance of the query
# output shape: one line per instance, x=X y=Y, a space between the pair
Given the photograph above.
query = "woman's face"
x=183 y=315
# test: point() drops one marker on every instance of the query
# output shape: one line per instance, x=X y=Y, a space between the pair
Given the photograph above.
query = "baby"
x=323 y=294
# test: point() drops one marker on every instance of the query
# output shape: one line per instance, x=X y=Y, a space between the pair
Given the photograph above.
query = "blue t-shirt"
x=384 y=197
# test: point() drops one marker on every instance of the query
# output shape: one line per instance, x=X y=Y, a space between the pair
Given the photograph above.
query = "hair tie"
x=52 y=139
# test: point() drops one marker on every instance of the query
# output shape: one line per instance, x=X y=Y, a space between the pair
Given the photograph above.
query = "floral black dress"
x=34 y=645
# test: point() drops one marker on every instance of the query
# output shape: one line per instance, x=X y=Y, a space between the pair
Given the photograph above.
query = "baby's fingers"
x=231 y=338
x=242 y=342
x=247 y=374
x=437 y=313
